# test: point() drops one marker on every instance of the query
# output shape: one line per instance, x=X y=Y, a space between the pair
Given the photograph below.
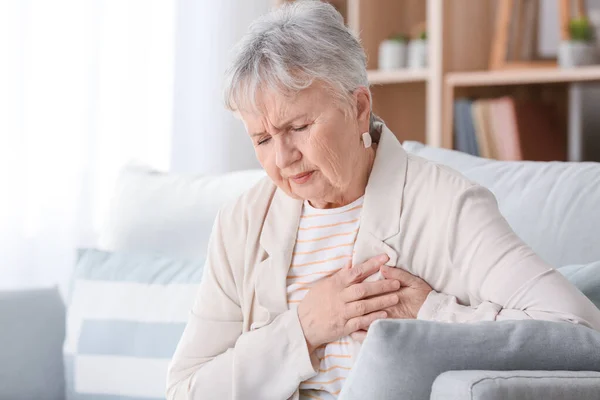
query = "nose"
x=286 y=154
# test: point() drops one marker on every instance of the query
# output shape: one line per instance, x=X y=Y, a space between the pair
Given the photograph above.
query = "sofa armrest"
x=32 y=332
x=517 y=385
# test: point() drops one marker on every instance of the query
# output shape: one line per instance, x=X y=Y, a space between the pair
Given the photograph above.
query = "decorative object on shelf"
x=417 y=52
x=580 y=49
x=392 y=52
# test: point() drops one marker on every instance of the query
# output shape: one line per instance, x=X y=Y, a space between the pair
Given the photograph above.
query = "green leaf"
x=581 y=30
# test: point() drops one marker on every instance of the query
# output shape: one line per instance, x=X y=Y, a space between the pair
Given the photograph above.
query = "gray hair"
x=291 y=47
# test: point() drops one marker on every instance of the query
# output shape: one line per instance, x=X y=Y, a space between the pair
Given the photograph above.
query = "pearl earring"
x=366 y=138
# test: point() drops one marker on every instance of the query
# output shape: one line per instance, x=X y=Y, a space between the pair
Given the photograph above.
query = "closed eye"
x=300 y=129
x=263 y=141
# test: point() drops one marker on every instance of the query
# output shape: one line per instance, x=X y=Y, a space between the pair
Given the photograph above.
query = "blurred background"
x=90 y=86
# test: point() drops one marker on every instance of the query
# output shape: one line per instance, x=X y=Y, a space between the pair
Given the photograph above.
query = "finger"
x=361 y=272
x=363 y=322
x=362 y=307
x=399 y=274
x=367 y=289
x=359 y=336
x=343 y=273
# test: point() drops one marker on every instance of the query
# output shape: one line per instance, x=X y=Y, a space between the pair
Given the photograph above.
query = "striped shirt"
x=324 y=244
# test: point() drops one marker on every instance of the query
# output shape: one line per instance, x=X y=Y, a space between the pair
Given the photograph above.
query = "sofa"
x=111 y=335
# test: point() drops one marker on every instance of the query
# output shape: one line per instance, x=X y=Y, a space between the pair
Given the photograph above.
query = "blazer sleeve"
x=216 y=360
x=504 y=278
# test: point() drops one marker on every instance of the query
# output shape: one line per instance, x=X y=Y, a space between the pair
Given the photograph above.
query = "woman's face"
x=308 y=146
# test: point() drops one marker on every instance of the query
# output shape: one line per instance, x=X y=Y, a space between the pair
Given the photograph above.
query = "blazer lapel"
x=380 y=217
x=277 y=238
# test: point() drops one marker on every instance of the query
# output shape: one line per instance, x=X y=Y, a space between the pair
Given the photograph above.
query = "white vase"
x=576 y=53
x=392 y=54
x=417 y=54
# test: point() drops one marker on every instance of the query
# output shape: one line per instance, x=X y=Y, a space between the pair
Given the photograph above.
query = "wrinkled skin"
x=313 y=131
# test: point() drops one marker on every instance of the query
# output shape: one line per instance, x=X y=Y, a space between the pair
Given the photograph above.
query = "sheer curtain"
x=207 y=137
x=85 y=86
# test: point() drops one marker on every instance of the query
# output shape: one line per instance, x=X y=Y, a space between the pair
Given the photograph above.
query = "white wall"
x=207 y=138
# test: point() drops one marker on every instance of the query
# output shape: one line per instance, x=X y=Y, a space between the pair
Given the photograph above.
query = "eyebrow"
x=286 y=123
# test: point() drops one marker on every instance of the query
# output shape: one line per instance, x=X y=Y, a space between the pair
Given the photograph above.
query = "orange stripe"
x=328 y=226
x=335 y=355
x=326 y=237
x=319 y=262
x=298 y=289
x=338 y=392
x=340 y=343
x=326 y=215
x=325 y=383
x=314 y=273
x=324 y=248
x=301 y=283
x=334 y=367
x=294 y=301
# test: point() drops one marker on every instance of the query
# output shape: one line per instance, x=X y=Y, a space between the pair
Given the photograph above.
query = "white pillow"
x=155 y=212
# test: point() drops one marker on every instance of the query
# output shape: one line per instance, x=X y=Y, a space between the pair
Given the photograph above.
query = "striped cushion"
x=125 y=316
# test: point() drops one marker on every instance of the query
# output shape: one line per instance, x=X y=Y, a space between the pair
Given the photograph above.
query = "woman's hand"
x=411 y=295
x=342 y=304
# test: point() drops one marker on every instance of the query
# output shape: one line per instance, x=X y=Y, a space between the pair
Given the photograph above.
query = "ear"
x=362 y=97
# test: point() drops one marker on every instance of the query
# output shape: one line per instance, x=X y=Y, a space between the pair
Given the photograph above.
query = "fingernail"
x=383 y=258
x=396 y=285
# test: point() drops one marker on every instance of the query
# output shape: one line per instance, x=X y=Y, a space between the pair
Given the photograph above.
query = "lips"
x=303 y=174
x=301 y=178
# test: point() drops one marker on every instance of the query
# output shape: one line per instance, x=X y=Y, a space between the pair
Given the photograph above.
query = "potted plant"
x=392 y=52
x=417 y=52
x=580 y=49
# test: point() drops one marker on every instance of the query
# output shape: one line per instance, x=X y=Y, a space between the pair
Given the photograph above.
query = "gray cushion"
x=400 y=359
x=586 y=277
x=516 y=385
x=32 y=331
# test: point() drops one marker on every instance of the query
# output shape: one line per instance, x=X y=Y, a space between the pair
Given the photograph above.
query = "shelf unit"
x=523 y=77
x=565 y=82
x=418 y=104
x=377 y=77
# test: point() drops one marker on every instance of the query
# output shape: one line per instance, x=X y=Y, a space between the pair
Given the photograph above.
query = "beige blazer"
x=242 y=341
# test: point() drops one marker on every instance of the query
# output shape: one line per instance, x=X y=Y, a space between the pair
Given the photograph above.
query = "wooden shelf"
x=377 y=77
x=523 y=77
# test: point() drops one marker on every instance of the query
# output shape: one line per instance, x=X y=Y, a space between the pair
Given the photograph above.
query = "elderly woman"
x=348 y=228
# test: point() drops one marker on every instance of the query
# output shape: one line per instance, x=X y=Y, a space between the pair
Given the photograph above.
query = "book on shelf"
x=504 y=129
x=510 y=130
x=464 y=130
x=481 y=120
